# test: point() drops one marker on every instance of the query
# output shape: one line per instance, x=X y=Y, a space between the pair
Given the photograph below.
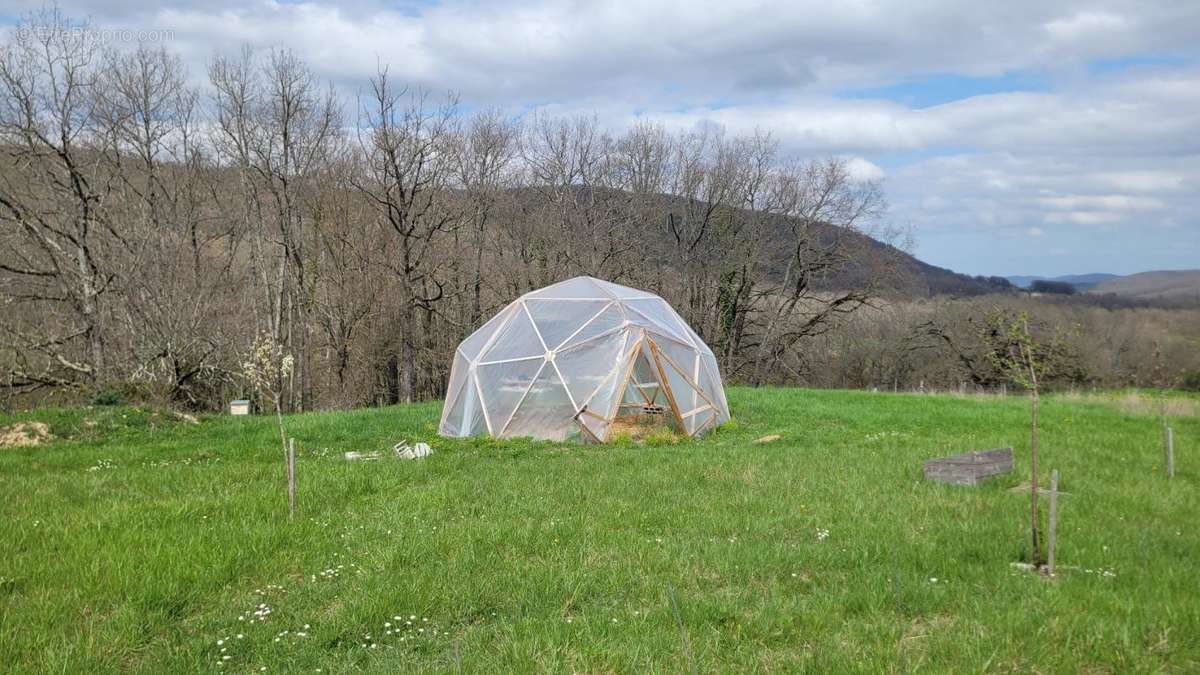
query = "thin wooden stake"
x=1052 y=526
x=687 y=644
x=291 y=476
x=1170 y=452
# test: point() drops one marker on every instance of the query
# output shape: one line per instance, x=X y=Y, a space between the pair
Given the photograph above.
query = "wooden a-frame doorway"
x=648 y=397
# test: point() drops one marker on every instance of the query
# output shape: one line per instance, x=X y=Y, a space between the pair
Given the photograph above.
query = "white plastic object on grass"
x=404 y=451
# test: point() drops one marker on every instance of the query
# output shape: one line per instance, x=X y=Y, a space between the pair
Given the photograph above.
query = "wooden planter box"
x=971 y=467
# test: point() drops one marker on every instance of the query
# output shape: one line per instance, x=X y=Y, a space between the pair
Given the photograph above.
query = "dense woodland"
x=253 y=231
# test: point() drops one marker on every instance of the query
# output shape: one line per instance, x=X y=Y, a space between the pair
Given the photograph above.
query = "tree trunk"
x=91 y=316
x=408 y=356
x=477 y=283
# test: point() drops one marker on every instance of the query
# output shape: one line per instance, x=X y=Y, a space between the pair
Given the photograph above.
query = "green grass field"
x=139 y=543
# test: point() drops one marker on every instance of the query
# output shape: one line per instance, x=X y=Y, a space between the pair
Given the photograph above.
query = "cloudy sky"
x=1018 y=137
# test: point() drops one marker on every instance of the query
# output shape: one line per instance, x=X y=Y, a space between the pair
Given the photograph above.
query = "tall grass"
x=139 y=542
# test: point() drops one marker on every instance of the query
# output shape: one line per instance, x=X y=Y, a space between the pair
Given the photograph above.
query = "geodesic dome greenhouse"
x=581 y=358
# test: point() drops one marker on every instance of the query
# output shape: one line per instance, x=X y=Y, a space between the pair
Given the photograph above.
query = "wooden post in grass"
x=291 y=476
x=1170 y=452
x=1052 y=526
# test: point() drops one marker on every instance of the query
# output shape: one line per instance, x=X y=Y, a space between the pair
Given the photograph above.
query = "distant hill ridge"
x=1172 y=284
x=1157 y=284
x=1082 y=282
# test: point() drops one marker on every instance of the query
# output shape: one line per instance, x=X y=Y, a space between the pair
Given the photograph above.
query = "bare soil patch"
x=639 y=427
x=24 y=435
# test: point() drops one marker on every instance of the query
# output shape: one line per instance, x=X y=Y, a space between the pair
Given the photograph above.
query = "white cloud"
x=863 y=170
x=1086 y=152
x=1108 y=202
x=1149 y=180
x=824 y=124
x=1154 y=114
x=692 y=52
x=1084 y=217
x=1086 y=25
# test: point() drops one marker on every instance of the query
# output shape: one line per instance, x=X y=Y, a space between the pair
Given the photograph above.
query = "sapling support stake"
x=1052 y=526
x=1170 y=450
x=291 y=476
x=687 y=644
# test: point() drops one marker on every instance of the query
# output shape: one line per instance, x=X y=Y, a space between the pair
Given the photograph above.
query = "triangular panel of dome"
x=586 y=368
x=546 y=410
x=475 y=342
x=709 y=379
x=517 y=339
x=681 y=365
x=698 y=421
x=558 y=320
x=466 y=417
x=503 y=385
x=579 y=288
x=639 y=315
x=623 y=292
x=458 y=379
x=607 y=321
x=696 y=339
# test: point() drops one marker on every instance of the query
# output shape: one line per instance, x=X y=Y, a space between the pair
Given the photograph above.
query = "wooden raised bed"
x=971 y=467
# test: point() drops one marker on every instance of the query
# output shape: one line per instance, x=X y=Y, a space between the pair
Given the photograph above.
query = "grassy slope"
x=526 y=556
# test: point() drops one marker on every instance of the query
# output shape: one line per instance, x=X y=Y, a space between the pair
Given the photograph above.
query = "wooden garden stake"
x=1052 y=526
x=1170 y=452
x=291 y=476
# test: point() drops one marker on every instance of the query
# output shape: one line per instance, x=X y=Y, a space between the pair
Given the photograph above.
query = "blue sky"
x=936 y=88
x=1025 y=137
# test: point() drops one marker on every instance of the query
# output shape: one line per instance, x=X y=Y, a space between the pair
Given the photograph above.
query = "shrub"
x=1190 y=381
x=1058 y=287
x=108 y=397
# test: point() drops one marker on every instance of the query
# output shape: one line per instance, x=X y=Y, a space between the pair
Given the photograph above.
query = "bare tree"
x=278 y=127
x=586 y=224
x=177 y=281
x=483 y=164
x=59 y=244
x=700 y=192
x=407 y=148
x=347 y=298
x=823 y=208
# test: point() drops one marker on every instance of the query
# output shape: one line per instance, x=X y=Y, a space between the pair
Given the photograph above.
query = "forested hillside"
x=260 y=236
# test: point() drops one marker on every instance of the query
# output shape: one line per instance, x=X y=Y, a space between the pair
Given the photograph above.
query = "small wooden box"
x=239 y=407
x=971 y=467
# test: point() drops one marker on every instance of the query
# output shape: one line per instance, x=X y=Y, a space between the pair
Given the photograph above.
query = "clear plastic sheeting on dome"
x=575 y=359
